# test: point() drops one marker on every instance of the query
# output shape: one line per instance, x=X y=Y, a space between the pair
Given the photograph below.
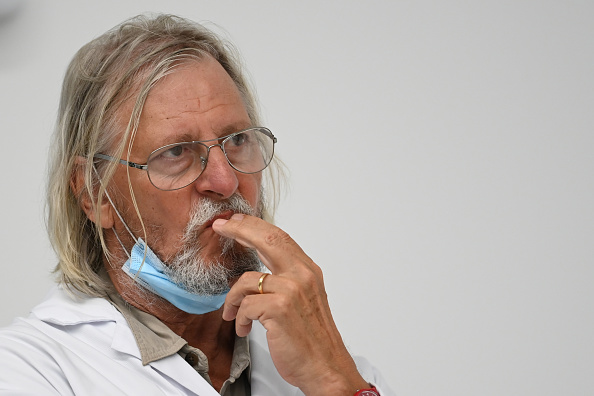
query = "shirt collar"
x=154 y=339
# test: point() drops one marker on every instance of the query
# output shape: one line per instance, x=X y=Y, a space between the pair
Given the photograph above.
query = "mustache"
x=205 y=209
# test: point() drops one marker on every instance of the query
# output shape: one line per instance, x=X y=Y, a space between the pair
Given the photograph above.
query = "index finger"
x=276 y=248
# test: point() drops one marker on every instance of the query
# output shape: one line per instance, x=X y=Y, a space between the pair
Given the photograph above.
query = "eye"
x=173 y=152
x=178 y=155
x=171 y=161
x=239 y=139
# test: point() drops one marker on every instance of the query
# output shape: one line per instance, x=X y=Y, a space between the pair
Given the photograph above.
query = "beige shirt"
x=155 y=341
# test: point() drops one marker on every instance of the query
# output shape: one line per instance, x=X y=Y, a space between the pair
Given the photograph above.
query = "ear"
x=77 y=185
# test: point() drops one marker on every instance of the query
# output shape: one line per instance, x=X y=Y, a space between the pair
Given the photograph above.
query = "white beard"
x=189 y=269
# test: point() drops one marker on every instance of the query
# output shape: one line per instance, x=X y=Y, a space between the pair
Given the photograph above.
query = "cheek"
x=165 y=216
x=249 y=187
x=119 y=190
x=158 y=208
x=169 y=209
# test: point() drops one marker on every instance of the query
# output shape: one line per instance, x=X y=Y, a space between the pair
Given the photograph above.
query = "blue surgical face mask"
x=149 y=271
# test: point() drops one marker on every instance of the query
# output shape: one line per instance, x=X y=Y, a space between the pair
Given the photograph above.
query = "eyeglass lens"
x=175 y=166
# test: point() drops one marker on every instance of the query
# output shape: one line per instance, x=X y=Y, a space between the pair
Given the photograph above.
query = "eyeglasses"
x=177 y=165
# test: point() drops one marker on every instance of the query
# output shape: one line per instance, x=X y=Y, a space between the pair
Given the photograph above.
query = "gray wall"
x=441 y=172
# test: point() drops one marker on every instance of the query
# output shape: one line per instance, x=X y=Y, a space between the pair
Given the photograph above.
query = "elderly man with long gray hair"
x=172 y=278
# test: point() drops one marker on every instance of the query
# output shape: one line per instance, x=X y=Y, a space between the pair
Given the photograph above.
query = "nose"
x=219 y=179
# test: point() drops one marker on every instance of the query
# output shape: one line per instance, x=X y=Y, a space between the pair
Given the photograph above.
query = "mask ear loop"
x=115 y=209
x=123 y=222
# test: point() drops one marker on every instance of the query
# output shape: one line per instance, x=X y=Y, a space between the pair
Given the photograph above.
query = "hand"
x=304 y=343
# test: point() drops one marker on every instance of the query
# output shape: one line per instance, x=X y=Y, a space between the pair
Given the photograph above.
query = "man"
x=172 y=278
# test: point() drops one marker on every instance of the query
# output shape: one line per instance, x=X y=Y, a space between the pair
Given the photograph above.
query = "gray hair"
x=121 y=65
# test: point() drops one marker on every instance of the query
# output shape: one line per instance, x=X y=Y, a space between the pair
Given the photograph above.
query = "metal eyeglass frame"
x=222 y=140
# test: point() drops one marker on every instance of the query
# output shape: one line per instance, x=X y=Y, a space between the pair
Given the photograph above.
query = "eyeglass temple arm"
x=121 y=161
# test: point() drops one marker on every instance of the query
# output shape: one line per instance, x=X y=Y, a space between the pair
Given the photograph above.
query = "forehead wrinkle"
x=234 y=126
x=195 y=109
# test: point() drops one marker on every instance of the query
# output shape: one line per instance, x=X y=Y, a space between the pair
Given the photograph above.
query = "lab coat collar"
x=66 y=307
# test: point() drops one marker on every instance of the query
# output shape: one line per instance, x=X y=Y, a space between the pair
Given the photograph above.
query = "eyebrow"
x=187 y=137
x=235 y=128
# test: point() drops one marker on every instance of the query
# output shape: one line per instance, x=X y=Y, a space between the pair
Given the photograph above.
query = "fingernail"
x=219 y=222
x=237 y=216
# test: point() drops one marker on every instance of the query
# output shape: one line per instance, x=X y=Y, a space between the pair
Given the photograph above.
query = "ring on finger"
x=260 y=283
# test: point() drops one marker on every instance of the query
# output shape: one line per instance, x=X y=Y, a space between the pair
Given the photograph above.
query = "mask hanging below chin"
x=149 y=272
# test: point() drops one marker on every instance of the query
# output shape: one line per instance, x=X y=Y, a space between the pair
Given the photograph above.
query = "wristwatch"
x=367 y=392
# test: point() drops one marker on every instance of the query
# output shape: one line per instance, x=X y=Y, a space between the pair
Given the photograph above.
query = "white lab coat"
x=83 y=346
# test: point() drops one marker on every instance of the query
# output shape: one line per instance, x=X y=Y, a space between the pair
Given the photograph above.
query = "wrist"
x=372 y=391
x=338 y=384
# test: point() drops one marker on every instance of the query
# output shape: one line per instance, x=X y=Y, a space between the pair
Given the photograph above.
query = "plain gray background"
x=441 y=172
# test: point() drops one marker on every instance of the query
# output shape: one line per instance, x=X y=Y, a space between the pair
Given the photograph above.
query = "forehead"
x=197 y=101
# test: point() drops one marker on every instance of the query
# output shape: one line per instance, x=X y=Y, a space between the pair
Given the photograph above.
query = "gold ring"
x=260 y=281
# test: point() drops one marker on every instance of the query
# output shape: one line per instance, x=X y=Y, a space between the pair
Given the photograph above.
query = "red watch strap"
x=367 y=392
